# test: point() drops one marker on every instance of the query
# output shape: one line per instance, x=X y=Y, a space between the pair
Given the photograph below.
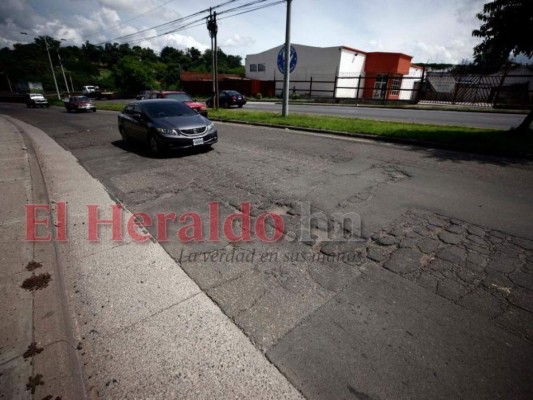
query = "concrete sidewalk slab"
x=382 y=329
x=146 y=330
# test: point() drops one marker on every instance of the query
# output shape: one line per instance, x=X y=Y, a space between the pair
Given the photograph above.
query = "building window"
x=261 y=67
x=395 y=85
x=380 y=86
x=253 y=67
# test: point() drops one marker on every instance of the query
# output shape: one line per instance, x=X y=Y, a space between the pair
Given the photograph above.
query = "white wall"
x=351 y=65
x=319 y=63
x=408 y=83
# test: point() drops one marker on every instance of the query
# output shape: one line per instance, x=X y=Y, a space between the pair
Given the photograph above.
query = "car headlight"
x=211 y=127
x=165 y=131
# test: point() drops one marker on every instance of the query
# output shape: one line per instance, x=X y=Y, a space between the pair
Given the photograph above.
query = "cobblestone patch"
x=486 y=271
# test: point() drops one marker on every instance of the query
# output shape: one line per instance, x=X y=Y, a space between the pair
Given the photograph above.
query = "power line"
x=167 y=24
x=201 y=21
x=122 y=23
x=255 y=9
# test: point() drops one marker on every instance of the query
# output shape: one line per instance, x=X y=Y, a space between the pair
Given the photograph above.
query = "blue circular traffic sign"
x=292 y=62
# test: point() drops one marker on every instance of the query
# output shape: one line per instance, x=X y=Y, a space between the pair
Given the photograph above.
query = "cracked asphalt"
x=432 y=296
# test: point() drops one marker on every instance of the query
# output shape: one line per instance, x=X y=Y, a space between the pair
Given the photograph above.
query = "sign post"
x=287 y=67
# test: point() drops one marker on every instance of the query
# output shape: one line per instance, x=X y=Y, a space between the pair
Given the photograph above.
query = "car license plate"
x=198 y=141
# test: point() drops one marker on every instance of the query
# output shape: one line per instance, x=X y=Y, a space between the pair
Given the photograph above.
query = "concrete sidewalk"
x=127 y=321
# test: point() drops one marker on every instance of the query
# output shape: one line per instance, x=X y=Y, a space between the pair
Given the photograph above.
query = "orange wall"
x=392 y=63
x=384 y=63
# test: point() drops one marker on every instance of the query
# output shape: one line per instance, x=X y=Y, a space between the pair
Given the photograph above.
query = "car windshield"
x=179 y=96
x=233 y=93
x=167 y=109
x=80 y=98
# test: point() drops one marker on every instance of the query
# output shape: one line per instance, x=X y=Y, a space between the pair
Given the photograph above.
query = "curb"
x=56 y=359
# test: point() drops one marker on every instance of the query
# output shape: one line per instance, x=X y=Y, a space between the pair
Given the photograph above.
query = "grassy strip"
x=477 y=140
x=107 y=105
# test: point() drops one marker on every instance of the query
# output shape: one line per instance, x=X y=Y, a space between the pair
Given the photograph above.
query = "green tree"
x=133 y=75
x=507 y=28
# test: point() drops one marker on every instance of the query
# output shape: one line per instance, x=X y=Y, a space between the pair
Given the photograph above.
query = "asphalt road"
x=430 y=296
x=437 y=117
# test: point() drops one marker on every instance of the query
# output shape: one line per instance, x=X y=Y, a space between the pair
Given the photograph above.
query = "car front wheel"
x=123 y=135
x=155 y=147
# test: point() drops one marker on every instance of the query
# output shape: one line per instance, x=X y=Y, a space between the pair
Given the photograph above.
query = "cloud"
x=236 y=40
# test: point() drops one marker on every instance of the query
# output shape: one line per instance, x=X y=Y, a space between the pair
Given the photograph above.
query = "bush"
x=258 y=96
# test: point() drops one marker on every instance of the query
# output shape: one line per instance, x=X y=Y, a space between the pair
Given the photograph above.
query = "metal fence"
x=502 y=89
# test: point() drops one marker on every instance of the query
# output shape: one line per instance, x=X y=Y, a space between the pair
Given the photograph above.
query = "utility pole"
x=217 y=105
x=212 y=27
x=286 y=80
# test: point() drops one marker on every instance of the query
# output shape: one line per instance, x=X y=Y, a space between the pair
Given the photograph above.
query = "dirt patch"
x=36 y=282
x=32 y=350
x=33 y=265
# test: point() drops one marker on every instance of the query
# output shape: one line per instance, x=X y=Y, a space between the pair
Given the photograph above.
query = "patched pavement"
x=485 y=271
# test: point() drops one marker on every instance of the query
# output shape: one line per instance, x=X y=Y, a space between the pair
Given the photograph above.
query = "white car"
x=36 y=100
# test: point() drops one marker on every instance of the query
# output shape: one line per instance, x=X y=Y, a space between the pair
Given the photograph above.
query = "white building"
x=341 y=72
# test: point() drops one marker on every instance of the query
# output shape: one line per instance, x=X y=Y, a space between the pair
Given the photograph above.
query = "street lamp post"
x=71 y=84
x=51 y=65
x=8 y=81
x=62 y=70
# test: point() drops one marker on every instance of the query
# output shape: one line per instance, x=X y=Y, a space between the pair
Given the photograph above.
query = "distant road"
x=460 y=118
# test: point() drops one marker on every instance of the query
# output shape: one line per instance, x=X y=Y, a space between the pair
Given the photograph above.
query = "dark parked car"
x=228 y=98
x=164 y=124
x=143 y=95
x=79 y=103
x=36 y=100
x=180 y=96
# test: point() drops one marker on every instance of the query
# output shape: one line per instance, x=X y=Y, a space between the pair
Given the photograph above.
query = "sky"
x=433 y=31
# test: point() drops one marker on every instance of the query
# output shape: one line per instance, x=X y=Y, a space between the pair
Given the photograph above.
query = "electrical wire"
x=131 y=36
x=201 y=21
